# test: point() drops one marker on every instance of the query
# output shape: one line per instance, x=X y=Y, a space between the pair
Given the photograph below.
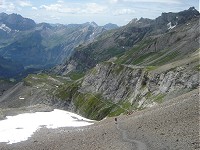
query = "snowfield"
x=19 y=128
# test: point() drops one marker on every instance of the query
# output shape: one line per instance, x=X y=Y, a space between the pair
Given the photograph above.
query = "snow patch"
x=21 y=97
x=5 y=28
x=169 y=25
x=19 y=128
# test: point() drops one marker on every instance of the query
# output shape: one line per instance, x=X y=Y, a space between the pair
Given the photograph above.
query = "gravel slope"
x=174 y=125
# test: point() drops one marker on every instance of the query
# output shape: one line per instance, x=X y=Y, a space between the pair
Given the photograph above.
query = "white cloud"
x=113 y=1
x=23 y=3
x=7 y=6
x=60 y=1
x=94 y=8
x=52 y=7
x=60 y=8
x=55 y=17
x=123 y=11
x=155 y=1
x=34 y=8
x=90 y=8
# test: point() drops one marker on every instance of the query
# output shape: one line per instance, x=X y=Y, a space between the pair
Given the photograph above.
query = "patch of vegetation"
x=92 y=106
x=141 y=58
x=67 y=91
x=130 y=55
x=120 y=108
x=93 y=71
x=112 y=52
x=197 y=67
x=36 y=79
x=166 y=59
x=45 y=81
x=118 y=68
x=76 y=75
x=150 y=68
x=158 y=98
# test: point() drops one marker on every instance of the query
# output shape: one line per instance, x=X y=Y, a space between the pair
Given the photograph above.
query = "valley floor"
x=173 y=125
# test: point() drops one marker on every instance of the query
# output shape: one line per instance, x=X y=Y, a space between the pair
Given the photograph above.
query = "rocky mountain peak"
x=142 y=22
x=16 y=22
x=110 y=26
x=177 y=18
x=93 y=24
x=2 y=15
x=44 y=25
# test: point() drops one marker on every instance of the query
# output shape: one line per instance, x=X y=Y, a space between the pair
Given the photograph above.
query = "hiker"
x=115 y=120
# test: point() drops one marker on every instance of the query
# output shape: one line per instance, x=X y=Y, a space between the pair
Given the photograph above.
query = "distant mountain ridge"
x=150 y=36
x=17 y=22
x=42 y=45
x=110 y=26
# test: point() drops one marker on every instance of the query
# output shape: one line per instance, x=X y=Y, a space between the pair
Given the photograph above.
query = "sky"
x=102 y=12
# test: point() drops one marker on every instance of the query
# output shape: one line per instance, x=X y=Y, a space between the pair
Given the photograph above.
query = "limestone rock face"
x=121 y=83
x=173 y=80
x=114 y=82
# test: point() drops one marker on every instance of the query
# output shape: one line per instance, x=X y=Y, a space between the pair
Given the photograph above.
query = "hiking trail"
x=140 y=145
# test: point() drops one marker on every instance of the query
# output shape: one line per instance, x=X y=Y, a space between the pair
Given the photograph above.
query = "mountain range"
x=131 y=67
x=141 y=40
x=43 y=45
x=148 y=68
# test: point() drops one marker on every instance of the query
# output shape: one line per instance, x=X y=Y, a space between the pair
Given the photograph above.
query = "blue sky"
x=101 y=11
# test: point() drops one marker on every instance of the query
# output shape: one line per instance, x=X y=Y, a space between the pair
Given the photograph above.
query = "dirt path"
x=140 y=145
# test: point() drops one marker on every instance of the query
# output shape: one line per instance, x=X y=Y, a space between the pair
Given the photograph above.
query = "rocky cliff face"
x=140 y=85
x=114 y=82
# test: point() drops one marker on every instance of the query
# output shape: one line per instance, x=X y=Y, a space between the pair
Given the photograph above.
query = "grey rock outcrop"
x=114 y=82
x=137 y=85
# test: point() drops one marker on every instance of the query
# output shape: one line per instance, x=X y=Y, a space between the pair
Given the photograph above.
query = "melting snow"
x=19 y=128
